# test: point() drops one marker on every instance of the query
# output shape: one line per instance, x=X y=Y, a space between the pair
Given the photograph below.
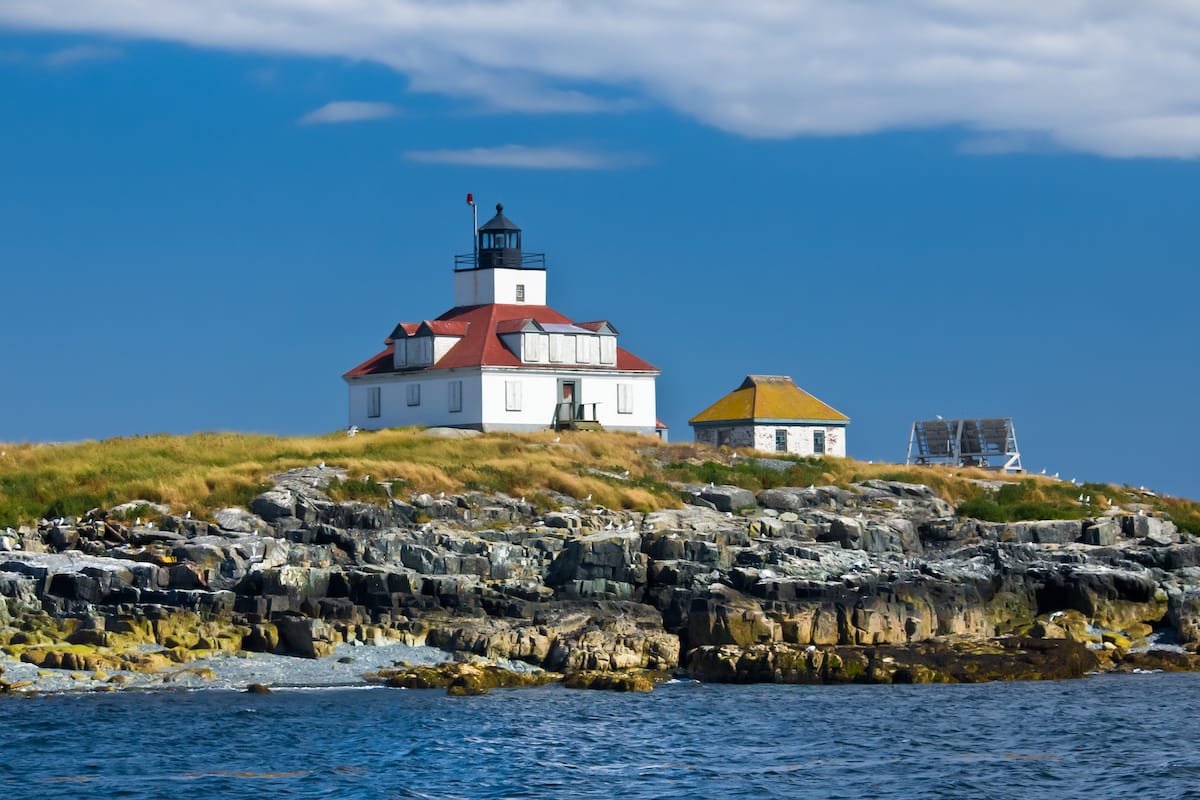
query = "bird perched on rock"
x=187 y=515
x=321 y=465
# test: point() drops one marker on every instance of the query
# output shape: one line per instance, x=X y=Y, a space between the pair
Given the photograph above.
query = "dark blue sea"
x=1132 y=736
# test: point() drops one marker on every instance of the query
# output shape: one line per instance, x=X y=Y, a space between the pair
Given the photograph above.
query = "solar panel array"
x=965 y=442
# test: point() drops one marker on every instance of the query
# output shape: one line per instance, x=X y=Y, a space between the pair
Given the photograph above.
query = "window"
x=533 y=347
x=512 y=395
x=420 y=350
x=781 y=440
x=414 y=394
x=520 y=293
x=373 y=401
x=624 y=398
x=818 y=443
x=557 y=345
x=401 y=349
x=456 y=395
x=608 y=350
x=583 y=349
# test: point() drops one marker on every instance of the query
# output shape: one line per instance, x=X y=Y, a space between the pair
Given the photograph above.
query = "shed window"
x=414 y=394
x=512 y=395
x=819 y=443
x=373 y=401
x=456 y=395
x=781 y=440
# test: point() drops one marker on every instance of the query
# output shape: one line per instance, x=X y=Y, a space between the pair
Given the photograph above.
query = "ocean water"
x=1105 y=737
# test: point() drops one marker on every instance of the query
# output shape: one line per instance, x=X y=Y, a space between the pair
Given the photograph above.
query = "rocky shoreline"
x=879 y=582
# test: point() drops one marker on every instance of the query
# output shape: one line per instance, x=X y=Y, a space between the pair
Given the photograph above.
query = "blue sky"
x=209 y=211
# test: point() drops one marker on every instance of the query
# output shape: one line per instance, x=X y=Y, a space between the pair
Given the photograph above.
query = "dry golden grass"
x=207 y=471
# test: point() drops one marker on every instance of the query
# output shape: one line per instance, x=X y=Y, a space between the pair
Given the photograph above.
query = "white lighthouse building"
x=501 y=358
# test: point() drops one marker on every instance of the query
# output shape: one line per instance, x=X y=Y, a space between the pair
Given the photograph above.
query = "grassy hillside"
x=204 y=472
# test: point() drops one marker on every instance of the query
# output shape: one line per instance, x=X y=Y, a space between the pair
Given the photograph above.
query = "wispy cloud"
x=348 y=111
x=78 y=54
x=1115 y=78
x=523 y=157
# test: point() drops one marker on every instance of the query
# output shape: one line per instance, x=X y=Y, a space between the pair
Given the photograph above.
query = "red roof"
x=441 y=327
x=480 y=345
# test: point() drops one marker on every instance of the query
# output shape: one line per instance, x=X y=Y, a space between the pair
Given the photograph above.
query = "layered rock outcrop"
x=880 y=581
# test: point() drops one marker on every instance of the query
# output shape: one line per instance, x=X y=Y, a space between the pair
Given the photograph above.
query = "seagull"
x=352 y=431
x=625 y=474
x=321 y=465
x=939 y=416
x=366 y=478
x=441 y=495
x=1043 y=471
x=556 y=439
x=587 y=499
x=1056 y=476
x=188 y=515
x=522 y=499
x=812 y=486
x=137 y=523
x=1080 y=498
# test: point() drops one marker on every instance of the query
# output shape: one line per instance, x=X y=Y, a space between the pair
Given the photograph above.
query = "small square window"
x=818 y=443
x=781 y=440
x=520 y=293
x=414 y=394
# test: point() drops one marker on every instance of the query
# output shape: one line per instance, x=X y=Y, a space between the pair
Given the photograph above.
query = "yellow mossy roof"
x=773 y=397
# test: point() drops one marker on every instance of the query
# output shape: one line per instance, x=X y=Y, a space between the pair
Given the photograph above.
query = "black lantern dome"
x=499 y=242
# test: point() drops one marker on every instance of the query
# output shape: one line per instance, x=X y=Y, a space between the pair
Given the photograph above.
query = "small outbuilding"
x=773 y=414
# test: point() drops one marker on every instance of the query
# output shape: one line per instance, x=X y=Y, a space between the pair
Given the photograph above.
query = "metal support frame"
x=969 y=442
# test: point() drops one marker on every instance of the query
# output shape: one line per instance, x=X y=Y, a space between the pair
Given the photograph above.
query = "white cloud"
x=520 y=156
x=348 y=111
x=1110 y=77
x=69 y=56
